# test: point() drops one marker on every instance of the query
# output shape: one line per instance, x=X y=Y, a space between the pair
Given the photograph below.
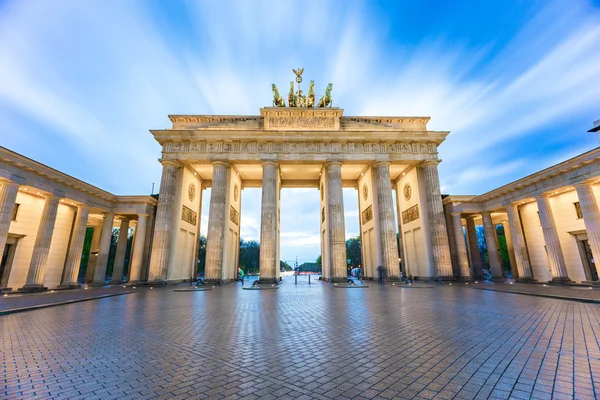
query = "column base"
x=338 y=280
x=525 y=280
x=267 y=281
x=68 y=286
x=465 y=279
x=154 y=283
x=5 y=289
x=560 y=279
x=32 y=288
x=97 y=284
x=112 y=283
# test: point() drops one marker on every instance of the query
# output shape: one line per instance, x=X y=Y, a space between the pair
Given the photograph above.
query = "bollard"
x=309 y=279
x=295 y=279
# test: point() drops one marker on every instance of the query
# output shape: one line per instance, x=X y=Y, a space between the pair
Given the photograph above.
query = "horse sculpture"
x=292 y=99
x=310 y=101
x=277 y=99
x=326 y=100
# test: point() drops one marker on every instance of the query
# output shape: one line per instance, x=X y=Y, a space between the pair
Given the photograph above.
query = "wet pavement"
x=304 y=341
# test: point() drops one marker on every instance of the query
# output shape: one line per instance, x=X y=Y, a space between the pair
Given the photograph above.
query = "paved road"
x=305 y=342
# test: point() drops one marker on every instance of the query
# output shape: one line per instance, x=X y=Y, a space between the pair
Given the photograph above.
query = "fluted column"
x=337 y=229
x=216 y=223
x=104 y=250
x=119 y=265
x=518 y=242
x=555 y=254
x=474 y=249
x=268 y=226
x=94 y=248
x=8 y=195
x=76 y=247
x=440 y=246
x=492 y=245
x=461 y=248
x=591 y=217
x=161 y=244
x=138 y=248
x=510 y=249
x=387 y=228
x=41 y=249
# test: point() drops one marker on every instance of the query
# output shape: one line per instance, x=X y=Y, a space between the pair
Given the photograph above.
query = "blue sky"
x=81 y=82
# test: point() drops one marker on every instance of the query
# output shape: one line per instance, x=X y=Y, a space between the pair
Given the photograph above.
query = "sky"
x=517 y=83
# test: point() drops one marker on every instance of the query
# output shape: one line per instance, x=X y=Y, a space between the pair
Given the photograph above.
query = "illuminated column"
x=440 y=247
x=268 y=224
x=41 y=249
x=591 y=217
x=104 y=250
x=387 y=229
x=217 y=218
x=492 y=245
x=119 y=265
x=138 y=248
x=337 y=230
x=8 y=195
x=76 y=247
x=518 y=241
x=461 y=248
x=555 y=254
x=161 y=244
x=474 y=248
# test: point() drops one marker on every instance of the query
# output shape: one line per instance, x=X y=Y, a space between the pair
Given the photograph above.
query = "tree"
x=353 y=251
x=249 y=256
x=201 y=254
x=503 y=247
x=482 y=245
x=284 y=266
x=318 y=262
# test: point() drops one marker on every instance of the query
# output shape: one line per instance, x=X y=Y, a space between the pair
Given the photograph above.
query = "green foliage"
x=318 y=261
x=201 y=254
x=85 y=255
x=284 y=266
x=249 y=256
x=353 y=251
x=503 y=247
x=309 y=267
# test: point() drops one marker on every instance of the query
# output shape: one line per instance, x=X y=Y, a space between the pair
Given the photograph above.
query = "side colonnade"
x=550 y=222
x=44 y=219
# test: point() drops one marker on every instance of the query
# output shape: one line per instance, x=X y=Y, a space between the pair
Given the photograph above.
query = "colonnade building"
x=551 y=219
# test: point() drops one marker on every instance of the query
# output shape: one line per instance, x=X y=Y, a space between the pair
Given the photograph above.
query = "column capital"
x=10 y=184
x=584 y=184
x=269 y=162
x=378 y=163
x=430 y=162
x=456 y=213
x=220 y=162
x=143 y=215
x=333 y=162
x=174 y=163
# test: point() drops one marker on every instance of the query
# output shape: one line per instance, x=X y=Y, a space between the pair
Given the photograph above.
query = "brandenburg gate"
x=300 y=145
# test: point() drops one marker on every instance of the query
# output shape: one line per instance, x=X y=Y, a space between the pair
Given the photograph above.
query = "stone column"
x=474 y=249
x=591 y=217
x=89 y=273
x=8 y=195
x=76 y=248
x=492 y=245
x=461 y=248
x=161 y=244
x=518 y=242
x=337 y=229
x=268 y=224
x=555 y=254
x=41 y=249
x=138 y=248
x=387 y=229
x=119 y=265
x=510 y=249
x=440 y=246
x=217 y=218
x=104 y=250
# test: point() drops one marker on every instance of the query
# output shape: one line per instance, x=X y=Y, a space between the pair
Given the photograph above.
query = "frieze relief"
x=301 y=147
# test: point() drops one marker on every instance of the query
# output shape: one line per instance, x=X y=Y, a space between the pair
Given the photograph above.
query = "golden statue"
x=298 y=74
x=277 y=99
x=310 y=101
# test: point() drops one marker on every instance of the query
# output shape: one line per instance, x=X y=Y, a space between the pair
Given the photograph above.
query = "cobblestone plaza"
x=305 y=341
